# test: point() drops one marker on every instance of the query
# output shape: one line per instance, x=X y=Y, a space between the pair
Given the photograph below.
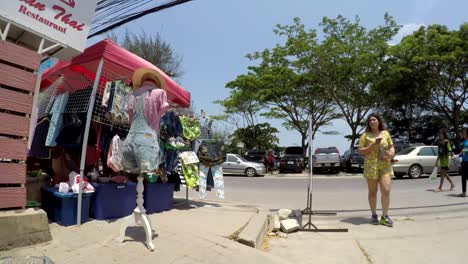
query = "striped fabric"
x=178 y=170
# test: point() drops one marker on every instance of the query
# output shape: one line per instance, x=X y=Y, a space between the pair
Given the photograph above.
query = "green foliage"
x=285 y=81
x=350 y=58
x=153 y=49
x=424 y=80
x=260 y=136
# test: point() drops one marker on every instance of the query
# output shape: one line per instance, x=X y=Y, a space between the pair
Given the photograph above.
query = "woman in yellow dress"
x=377 y=147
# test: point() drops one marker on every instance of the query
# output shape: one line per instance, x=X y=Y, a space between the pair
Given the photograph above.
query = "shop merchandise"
x=115 y=98
x=56 y=120
x=114 y=157
x=190 y=127
x=211 y=155
x=217 y=172
x=75 y=183
x=64 y=187
x=140 y=150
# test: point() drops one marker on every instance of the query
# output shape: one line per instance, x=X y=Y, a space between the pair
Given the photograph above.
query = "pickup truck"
x=326 y=159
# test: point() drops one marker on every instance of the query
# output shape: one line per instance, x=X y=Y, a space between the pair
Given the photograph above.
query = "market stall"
x=81 y=107
x=83 y=118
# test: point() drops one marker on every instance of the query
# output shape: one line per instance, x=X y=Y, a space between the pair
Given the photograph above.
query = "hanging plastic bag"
x=114 y=155
x=433 y=175
x=75 y=186
x=64 y=187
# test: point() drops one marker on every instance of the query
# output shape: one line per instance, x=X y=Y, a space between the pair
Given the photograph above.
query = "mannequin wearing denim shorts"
x=140 y=150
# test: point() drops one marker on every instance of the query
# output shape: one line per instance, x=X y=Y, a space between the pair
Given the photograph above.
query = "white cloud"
x=406 y=30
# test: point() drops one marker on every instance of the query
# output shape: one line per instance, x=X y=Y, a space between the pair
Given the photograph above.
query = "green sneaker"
x=386 y=221
x=374 y=220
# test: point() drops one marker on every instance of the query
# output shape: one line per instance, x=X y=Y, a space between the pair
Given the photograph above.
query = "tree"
x=443 y=54
x=405 y=91
x=260 y=136
x=241 y=109
x=350 y=59
x=285 y=82
x=425 y=80
x=153 y=49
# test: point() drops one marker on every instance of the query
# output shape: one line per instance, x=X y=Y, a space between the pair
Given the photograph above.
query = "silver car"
x=236 y=164
x=416 y=161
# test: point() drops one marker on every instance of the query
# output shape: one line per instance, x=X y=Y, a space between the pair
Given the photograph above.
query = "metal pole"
x=85 y=138
x=34 y=109
x=310 y=157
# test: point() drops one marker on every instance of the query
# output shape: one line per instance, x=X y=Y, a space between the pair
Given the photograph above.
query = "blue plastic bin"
x=158 y=197
x=113 y=200
x=62 y=207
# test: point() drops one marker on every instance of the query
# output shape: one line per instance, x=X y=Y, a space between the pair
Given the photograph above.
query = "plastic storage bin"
x=113 y=200
x=62 y=207
x=158 y=197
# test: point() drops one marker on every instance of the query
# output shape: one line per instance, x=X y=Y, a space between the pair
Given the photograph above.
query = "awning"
x=117 y=60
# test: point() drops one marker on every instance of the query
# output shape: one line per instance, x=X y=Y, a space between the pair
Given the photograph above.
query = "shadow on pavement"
x=182 y=204
x=356 y=220
x=456 y=195
x=137 y=233
x=392 y=208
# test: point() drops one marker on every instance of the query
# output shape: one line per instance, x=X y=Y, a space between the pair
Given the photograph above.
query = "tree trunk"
x=353 y=137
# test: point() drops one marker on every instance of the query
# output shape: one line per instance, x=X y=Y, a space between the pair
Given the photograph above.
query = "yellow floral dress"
x=374 y=167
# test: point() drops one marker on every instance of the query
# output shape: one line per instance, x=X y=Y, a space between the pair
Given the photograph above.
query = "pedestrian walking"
x=270 y=161
x=377 y=147
x=444 y=152
x=464 y=164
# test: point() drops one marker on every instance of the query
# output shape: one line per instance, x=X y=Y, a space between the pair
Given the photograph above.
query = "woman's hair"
x=381 y=124
x=443 y=132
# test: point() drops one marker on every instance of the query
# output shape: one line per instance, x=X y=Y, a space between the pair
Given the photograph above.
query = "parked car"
x=236 y=164
x=399 y=146
x=256 y=155
x=326 y=159
x=297 y=152
x=352 y=160
x=416 y=161
x=291 y=163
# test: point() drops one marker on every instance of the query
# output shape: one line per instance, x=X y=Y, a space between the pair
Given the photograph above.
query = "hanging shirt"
x=154 y=105
x=211 y=153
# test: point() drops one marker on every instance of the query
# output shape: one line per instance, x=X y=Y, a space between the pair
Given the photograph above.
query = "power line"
x=111 y=14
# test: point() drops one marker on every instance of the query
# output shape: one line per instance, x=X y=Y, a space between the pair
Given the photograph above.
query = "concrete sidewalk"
x=198 y=232
x=417 y=239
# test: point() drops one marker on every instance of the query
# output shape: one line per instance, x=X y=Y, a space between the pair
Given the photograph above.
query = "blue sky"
x=213 y=36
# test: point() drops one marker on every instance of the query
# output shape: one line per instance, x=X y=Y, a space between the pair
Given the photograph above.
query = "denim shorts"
x=140 y=152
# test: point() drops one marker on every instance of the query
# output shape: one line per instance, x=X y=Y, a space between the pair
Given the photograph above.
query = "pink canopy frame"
x=116 y=59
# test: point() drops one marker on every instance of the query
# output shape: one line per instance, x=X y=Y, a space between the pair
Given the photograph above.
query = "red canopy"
x=118 y=61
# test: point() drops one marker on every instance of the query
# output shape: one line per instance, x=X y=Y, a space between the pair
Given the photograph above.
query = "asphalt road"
x=345 y=194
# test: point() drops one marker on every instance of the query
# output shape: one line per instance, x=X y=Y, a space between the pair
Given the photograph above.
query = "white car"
x=416 y=161
x=236 y=164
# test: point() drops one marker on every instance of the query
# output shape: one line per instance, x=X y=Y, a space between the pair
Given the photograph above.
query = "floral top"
x=374 y=166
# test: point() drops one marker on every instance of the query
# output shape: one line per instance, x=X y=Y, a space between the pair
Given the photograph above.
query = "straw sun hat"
x=146 y=74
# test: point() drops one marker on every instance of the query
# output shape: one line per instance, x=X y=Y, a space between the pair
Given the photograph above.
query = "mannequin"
x=140 y=150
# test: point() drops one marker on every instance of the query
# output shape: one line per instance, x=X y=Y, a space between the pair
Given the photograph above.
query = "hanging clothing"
x=56 y=120
x=38 y=147
x=217 y=172
x=211 y=152
x=114 y=157
x=155 y=105
x=190 y=128
x=140 y=150
x=189 y=162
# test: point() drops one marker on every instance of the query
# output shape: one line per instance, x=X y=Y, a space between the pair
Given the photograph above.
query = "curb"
x=254 y=232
